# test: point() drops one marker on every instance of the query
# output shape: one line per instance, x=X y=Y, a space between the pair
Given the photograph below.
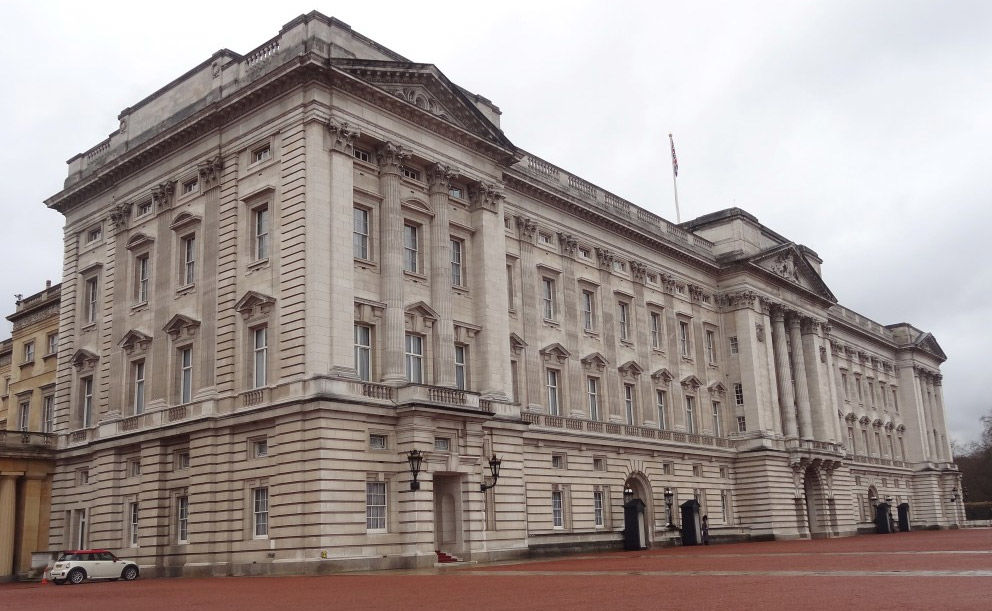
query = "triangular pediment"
x=180 y=324
x=595 y=360
x=928 y=343
x=787 y=263
x=630 y=368
x=253 y=303
x=425 y=88
x=422 y=309
x=717 y=388
x=134 y=339
x=84 y=359
x=662 y=376
x=555 y=352
x=691 y=382
x=517 y=343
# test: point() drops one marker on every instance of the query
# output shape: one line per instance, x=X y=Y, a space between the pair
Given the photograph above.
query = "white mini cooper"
x=78 y=565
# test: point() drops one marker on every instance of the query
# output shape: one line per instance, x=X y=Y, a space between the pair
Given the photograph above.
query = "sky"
x=862 y=129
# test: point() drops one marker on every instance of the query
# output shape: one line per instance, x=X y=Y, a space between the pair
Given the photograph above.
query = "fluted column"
x=391 y=158
x=439 y=180
x=786 y=398
x=331 y=286
x=8 y=493
x=934 y=417
x=938 y=397
x=611 y=381
x=799 y=374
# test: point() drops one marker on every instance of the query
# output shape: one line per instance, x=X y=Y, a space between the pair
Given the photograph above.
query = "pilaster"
x=391 y=157
x=439 y=181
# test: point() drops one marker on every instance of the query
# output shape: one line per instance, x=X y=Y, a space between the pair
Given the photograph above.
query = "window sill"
x=688 y=359
x=258 y=264
x=49 y=356
x=88 y=326
x=657 y=351
x=415 y=276
x=592 y=334
x=627 y=343
x=460 y=289
x=365 y=263
x=186 y=290
x=25 y=364
x=552 y=323
x=139 y=307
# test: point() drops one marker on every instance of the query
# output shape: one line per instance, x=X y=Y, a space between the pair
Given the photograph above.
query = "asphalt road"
x=947 y=570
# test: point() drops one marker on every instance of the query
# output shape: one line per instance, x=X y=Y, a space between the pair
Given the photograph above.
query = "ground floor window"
x=375 y=506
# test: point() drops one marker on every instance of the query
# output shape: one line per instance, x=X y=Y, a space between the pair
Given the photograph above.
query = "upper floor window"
x=363 y=352
x=414 y=358
x=138 y=386
x=86 y=401
x=623 y=320
x=734 y=348
x=711 y=347
x=548 y=298
x=628 y=402
x=411 y=173
x=191 y=186
x=684 y=343
x=48 y=414
x=360 y=234
x=461 y=366
x=144 y=208
x=552 y=383
x=656 y=333
x=457 y=253
x=739 y=393
x=588 y=311
x=187 y=248
x=592 y=392
x=717 y=420
x=260 y=352
x=411 y=248
x=545 y=238
x=690 y=415
x=362 y=155
x=94 y=234
x=53 y=343
x=662 y=415
x=185 y=385
x=260 y=232
x=24 y=416
x=261 y=153
x=90 y=295
x=142 y=270
x=28 y=352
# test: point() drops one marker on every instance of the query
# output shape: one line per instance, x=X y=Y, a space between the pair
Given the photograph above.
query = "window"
x=442 y=444
x=588 y=316
x=53 y=343
x=410 y=173
x=360 y=234
x=455 y=192
x=460 y=367
x=82 y=477
x=711 y=347
x=414 y=358
x=86 y=406
x=871 y=393
x=619 y=266
x=191 y=186
x=187 y=272
x=857 y=384
x=509 y=286
x=23 y=416
x=134 y=467
x=182 y=524
x=261 y=154
x=260 y=511
x=545 y=239
x=48 y=414
x=690 y=420
x=697 y=471
x=844 y=385
x=181 y=460
x=895 y=402
x=90 y=292
x=132 y=524
x=667 y=468
x=599 y=464
x=864 y=441
x=585 y=253
x=260 y=232
x=656 y=330
x=185 y=360
x=878 y=443
x=363 y=352
x=259 y=447
x=597 y=507
x=592 y=392
x=741 y=424
x=734 y=348
x=141 y=269
x=662 y=416
x=375 y=506
x=684 y=338
x=548 y=298
x=144 y=208
x=552 y=385
x=557 y=461
x=138 y=386
x=94 y=234
x=628 y=402
x=557 y=509
x=623 y=320
x=28 y=352
x=739 y=393
x=411 y=248
x=377 y=441
x=717 y=425
x=457 y=253
x=260 y=353
x=850 y=440
x=362 y=155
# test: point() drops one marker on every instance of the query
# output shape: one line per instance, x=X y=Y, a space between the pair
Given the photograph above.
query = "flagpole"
x=675 y=186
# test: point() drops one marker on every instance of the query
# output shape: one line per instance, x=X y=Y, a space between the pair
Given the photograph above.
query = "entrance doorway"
x=448 y=531
x=641 y=488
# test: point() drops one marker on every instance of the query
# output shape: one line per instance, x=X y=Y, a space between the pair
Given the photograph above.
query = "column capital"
x=391 y=156
x=605 y=258
x=439 y=178
x=569 y=243
x=526 y=227
x=486 y=196
x=344 y=135
x=777 y=313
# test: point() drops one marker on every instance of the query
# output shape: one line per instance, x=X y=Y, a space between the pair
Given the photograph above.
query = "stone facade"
x=289 y=269
x=27 y=440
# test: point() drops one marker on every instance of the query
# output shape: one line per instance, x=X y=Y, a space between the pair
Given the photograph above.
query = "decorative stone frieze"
x=343 y=135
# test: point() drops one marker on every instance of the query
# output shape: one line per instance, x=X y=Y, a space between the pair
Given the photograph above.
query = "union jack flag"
x=675 y=160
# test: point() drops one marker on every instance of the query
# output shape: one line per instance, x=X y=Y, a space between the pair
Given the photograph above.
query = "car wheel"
x=130 y=573
x=76 y=576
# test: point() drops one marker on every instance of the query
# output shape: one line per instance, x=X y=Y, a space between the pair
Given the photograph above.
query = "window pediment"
x=465 y=331
x=691 y=383
x=717 y=388
x=517 y=344
x=662 y=376
x=595 y=361
x=183 y=221
x=139 y=240
x=181 y=325
x=420 y=317
x=253 y=304
x=630 y=369
x=555 y=353
x=84 y=360
x=135 y=340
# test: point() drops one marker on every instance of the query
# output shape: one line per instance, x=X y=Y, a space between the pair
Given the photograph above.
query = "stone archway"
x=817 y=509
x=641 y=487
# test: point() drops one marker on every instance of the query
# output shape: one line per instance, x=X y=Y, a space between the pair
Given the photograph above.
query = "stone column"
x=786 y=398
x=573 y=404
x=938 y=396
x=934 y=419
x=8 y=504
x=391 y=157
x=799 y=374
x=531 y=315
x=439 y=179
x=491 y=302
x=607 y=305
x=333 y=304
x=815 y=358
x=918 y=394
x=641 y=322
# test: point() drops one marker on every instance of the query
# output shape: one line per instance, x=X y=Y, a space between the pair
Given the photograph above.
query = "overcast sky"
x=861 y=129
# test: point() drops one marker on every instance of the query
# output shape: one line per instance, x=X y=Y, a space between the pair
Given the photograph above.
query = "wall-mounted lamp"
x=415 y=458
x=669 y=498
x=494 y=464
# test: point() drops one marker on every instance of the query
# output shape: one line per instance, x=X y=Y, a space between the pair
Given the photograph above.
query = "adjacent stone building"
x=27 y=440
x=287 y=270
